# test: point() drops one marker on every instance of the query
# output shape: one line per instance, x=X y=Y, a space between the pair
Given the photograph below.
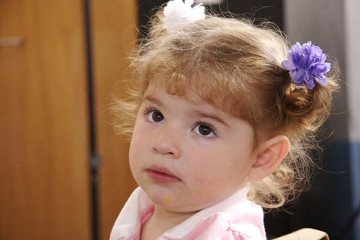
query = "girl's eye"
x=154 y=116
x=204 y=130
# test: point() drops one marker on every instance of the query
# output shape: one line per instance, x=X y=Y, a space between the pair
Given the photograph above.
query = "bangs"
x=225 y=91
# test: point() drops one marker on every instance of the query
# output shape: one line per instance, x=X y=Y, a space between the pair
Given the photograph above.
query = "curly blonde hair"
x=236 y=66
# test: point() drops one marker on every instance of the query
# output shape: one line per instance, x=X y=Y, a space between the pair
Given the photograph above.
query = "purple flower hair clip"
x=306 y=65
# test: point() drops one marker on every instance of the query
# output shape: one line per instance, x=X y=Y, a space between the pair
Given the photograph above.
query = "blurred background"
x=64 y=172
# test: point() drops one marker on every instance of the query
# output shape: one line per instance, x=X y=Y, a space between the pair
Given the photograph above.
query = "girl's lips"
x=161 y=175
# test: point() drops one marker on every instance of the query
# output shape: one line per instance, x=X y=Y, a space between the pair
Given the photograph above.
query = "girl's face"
x=188 y=155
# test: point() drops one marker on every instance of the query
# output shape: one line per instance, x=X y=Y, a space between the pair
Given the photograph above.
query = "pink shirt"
x=233 y=218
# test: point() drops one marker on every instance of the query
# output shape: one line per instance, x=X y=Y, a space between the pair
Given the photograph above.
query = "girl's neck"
x=161 y=221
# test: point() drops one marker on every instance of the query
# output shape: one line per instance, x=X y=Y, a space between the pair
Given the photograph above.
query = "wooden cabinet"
x=44 y=116
x=113 y=37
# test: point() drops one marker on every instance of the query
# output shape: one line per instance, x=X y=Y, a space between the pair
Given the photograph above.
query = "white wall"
x=322 y=22
x=352 y=33
x=334 y=25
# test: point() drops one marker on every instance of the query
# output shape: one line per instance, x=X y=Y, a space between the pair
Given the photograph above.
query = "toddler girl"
x=222 y=116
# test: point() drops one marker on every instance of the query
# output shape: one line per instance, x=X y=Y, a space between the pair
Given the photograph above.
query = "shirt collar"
x=132 y=215
x=139 y=205
x=225 y=205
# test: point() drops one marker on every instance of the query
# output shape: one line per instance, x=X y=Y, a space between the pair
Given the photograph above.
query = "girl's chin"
x=175 y=205
x=161 y=197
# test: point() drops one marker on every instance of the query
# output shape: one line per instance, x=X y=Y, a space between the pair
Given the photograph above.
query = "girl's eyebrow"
x=153 y=100
x=215 y=117
x=194 y=112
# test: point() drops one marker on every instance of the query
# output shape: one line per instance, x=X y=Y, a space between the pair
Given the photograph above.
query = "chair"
x=305 y=234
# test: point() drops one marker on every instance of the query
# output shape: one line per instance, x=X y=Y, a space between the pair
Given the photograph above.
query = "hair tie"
x=306 y=65
x=178 y=13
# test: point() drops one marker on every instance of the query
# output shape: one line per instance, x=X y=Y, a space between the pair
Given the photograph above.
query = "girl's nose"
x=166 y=143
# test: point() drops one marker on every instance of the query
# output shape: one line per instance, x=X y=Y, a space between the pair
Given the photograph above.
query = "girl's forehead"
x=194 y=85
x=189 y=94
x=217 y=104
x=218 y=90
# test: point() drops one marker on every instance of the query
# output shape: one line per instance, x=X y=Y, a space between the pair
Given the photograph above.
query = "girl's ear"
x=269 y=156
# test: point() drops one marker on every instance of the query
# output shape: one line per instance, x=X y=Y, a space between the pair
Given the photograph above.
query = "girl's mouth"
x=161 y=175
